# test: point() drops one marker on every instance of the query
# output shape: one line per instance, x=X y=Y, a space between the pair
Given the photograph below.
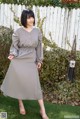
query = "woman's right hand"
x=10 y=57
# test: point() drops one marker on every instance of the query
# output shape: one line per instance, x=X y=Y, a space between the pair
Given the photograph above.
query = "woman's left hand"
x=38 y=65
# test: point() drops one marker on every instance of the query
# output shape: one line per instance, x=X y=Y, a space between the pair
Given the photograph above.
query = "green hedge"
x=5 y=41
x=42 y=3
x=55 y=64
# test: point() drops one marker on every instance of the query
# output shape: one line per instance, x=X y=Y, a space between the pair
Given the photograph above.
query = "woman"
x=26 y=55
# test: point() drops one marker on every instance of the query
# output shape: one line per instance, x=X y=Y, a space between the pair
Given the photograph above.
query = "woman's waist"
x=26 y=51
x=28 y=54
x=24 y=58
x=26 y=47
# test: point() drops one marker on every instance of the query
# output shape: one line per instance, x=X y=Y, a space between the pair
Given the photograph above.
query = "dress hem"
x=6 y=95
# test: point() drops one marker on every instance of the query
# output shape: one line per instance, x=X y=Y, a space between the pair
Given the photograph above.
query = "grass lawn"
x=54 y=111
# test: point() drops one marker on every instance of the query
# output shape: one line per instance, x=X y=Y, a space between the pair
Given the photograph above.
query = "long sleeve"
x=14 y=46
x=39 y=49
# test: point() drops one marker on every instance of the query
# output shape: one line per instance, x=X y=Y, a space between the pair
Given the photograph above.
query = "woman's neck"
x=29 y=27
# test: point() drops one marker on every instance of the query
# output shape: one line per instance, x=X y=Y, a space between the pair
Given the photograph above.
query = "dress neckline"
x=26 y=30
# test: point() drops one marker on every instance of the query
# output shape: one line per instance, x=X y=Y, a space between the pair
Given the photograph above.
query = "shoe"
x=44 y=116
x=22 y=110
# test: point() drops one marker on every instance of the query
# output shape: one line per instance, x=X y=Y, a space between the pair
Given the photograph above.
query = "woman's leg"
x=42 y=109
x=21 y=107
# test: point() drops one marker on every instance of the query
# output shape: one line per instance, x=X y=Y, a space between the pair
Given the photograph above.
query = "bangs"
x=30 y=14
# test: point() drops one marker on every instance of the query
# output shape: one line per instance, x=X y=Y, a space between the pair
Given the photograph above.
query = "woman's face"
x=30 y=21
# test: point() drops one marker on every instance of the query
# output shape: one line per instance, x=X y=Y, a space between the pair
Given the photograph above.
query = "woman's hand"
x=10 y=57
x=38 y=65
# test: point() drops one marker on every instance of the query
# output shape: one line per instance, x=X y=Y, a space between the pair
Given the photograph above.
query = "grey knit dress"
x=22 y=77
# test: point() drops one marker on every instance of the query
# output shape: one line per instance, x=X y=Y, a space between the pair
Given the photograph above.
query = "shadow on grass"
x=54 y=111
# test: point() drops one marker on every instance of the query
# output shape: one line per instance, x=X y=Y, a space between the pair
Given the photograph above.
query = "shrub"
x=5 y=41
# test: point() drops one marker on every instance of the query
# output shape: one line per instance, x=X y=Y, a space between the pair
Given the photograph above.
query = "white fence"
x=62 y=23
